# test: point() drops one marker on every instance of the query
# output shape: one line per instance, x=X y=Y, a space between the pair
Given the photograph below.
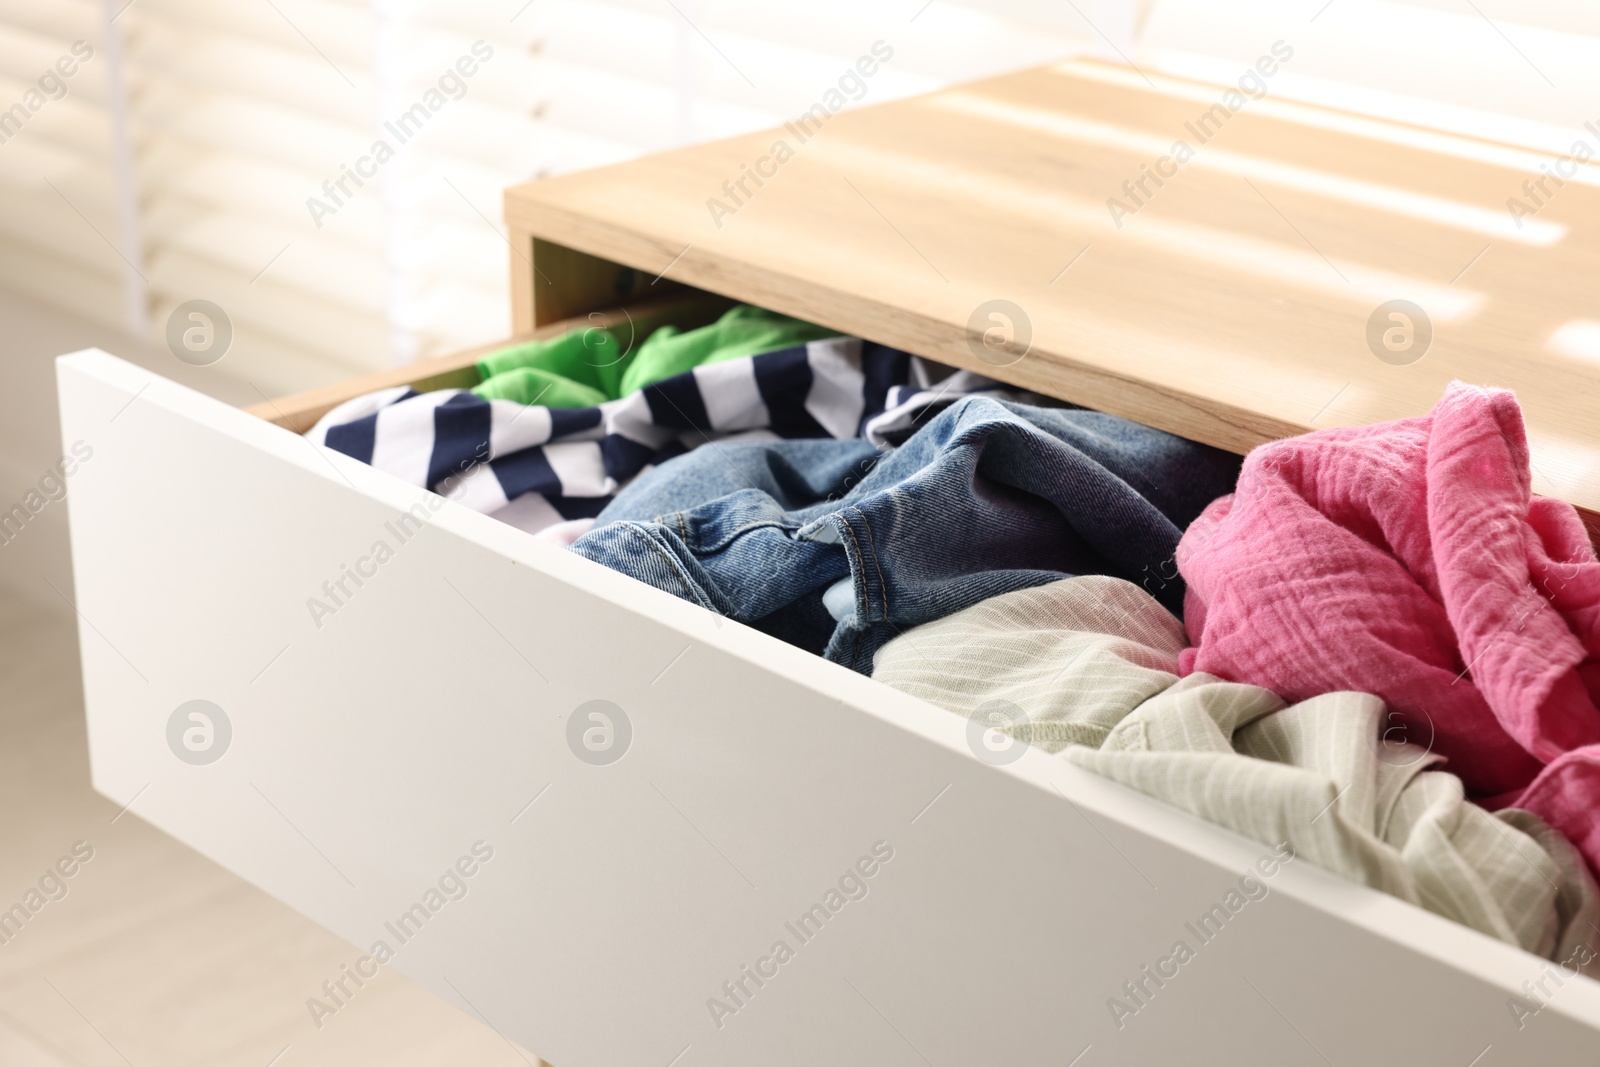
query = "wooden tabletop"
x=1239 y=301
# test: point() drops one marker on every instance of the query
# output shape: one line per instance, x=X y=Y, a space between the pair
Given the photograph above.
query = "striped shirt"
x=537 y=467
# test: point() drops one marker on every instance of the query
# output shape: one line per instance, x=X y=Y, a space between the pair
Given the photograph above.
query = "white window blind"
x=241 y=111
x=255 y=177
x=251 y=122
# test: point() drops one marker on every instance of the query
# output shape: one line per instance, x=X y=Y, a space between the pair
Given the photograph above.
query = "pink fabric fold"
x=1411 y=560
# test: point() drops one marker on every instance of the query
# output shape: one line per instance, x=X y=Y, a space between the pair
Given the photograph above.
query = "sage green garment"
x=1091 y=663
x=585 y=368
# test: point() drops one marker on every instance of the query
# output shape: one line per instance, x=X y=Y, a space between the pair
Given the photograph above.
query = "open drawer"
x=583 y=810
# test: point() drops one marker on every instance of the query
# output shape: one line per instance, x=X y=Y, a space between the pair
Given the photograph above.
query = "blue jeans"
x=836 y=547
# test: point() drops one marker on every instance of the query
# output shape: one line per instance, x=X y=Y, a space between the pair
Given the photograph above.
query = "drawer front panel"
x=401 y=762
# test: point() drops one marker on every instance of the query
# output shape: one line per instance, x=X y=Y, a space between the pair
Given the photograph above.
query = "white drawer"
x=431 y=711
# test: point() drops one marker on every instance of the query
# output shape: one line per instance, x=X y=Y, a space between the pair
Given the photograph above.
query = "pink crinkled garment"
x=1411 y=560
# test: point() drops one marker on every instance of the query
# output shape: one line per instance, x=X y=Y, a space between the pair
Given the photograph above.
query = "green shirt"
x=585 y=368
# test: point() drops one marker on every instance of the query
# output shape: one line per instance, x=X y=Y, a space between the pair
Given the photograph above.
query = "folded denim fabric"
x=1411 y=560
x=986 y=497
x=585 y=368
x=536 y=466
x=1087 y=668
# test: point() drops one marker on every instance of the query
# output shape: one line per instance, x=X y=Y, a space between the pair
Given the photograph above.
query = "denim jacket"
x=836 y=547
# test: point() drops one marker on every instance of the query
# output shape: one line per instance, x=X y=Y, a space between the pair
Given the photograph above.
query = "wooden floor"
x=157 y=957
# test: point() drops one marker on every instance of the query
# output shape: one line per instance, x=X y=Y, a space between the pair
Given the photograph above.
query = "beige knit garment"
x=1087 y=668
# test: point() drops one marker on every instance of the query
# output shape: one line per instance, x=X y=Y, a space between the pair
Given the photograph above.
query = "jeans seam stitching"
x=672 y=563
x=861 y=556
x=882 y=585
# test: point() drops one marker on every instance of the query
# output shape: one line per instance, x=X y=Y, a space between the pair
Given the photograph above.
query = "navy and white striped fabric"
x=537 y=467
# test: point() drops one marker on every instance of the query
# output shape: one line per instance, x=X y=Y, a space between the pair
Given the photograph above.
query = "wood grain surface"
x=1232 y=303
